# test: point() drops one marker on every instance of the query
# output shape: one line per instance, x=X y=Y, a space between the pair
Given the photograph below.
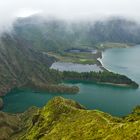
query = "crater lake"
x=117 y=101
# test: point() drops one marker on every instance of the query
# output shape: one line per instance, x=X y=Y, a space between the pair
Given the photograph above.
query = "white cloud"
x=27 y=12
x=68 y=9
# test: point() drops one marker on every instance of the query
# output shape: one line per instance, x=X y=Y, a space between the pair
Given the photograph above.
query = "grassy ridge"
x=66 y=119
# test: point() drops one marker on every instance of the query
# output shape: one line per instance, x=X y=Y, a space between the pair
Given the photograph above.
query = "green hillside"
x=21 y=64
x=66 y=119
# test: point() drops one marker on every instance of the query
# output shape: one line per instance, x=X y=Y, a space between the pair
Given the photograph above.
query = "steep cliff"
x=21 y=64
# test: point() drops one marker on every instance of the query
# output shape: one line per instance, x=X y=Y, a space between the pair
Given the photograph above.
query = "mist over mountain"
x=22 y=51
x=54 y=33
x=68 y=9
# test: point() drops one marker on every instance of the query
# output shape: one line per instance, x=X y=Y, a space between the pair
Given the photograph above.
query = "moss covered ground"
x=63 y=119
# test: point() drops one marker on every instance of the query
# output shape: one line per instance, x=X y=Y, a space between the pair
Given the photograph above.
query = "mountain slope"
x=21 y=64
x=56 y=35
x=66 y=119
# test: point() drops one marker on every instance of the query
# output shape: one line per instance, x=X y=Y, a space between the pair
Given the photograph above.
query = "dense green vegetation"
x=55 y=88
x=105 y=77
x=66 y=119
x=21 y=64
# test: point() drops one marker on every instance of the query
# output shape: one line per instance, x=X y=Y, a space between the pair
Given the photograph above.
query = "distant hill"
x=54 y=34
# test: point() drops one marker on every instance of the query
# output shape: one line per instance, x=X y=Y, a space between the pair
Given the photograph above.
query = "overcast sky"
x=69 y=9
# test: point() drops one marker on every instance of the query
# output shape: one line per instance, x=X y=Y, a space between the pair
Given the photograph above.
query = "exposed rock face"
x=1 y=103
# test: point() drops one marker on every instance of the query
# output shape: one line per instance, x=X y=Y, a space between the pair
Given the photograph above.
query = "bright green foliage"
x=64 y=119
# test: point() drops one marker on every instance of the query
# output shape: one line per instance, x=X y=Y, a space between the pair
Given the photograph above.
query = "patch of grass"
x=81 y=58
x=68 y=120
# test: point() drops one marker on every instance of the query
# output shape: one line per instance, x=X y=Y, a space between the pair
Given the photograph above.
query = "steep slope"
x=66 y=119
x=21 y=64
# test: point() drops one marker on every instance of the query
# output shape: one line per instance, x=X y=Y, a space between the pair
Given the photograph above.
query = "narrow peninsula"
x=104 y=77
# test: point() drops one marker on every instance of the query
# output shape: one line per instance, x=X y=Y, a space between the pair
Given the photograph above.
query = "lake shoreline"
x=101 y=83
x=117 y=85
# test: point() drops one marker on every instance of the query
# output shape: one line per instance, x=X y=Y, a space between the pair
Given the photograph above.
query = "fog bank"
x=68 y=9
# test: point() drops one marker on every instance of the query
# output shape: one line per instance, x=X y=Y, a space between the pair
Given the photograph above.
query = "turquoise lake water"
x=117 y=101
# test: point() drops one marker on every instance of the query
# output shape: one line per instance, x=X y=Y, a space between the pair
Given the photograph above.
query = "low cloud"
x=68 y=9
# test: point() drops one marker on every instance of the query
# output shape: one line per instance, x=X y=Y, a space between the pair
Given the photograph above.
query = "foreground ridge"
x=66 y=119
